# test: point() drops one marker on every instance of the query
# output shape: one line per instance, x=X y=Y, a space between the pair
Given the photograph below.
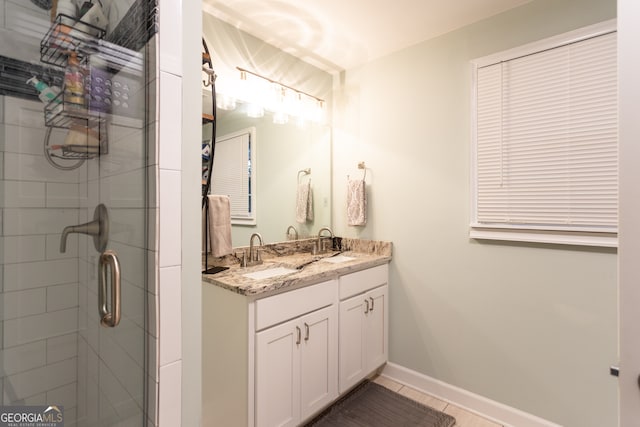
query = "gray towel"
x=219 y=232
x=304 y=203
x=356 y=202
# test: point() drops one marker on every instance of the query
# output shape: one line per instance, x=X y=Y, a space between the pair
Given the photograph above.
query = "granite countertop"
x=308 y=268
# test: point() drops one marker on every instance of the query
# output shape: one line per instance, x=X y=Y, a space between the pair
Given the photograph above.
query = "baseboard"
x=495 y=411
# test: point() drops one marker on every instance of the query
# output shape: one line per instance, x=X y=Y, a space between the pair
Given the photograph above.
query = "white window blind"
x=546 y=149
x=232 y=175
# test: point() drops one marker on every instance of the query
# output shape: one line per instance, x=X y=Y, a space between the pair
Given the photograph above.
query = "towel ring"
x=306 y=171
x=362 y=166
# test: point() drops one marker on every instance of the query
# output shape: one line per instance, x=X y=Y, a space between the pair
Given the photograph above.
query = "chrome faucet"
x=295 y=232
x=254 y=258
x=319 y=247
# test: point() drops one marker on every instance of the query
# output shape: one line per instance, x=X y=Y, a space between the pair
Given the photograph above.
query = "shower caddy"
x=69 y=37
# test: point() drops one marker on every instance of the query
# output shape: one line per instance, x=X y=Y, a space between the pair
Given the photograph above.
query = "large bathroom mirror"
x=281 y=153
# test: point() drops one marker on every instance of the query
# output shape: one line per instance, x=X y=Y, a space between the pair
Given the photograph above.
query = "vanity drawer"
x=361 y=281
x=279 y=308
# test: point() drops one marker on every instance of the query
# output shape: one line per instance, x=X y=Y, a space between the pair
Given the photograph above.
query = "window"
x=234 y=174
x=545 y=152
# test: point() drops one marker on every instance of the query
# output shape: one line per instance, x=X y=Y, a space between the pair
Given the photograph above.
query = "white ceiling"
x=342 y=34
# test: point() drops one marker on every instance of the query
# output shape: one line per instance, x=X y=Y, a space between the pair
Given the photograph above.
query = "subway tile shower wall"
x=51 y=331
x=52 y=347
x=40 y=286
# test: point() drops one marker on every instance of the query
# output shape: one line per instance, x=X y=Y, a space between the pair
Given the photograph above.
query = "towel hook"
x=306 y=171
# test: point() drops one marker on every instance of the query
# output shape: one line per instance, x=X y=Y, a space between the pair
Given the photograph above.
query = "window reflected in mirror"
x=234 y=173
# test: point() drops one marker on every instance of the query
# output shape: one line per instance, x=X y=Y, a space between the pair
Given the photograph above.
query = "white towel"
x=219 y=232
x=304 y=203
x=356 y=202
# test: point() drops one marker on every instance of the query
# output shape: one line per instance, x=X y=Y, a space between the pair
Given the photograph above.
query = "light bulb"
x=280 y=118
x=225 y=102
x=255 y=110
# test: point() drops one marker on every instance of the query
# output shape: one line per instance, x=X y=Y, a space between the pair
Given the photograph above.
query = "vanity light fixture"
x=281 y=99
x=280 y=116
x=253 y=94
x=226 y=102
x=255 y=110
x=318 y=111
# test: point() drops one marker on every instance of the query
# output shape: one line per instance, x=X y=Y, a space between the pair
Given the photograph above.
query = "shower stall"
x=77 y=126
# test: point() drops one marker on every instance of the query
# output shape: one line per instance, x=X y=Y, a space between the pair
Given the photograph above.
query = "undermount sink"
x=269 y=273
x=338 y=259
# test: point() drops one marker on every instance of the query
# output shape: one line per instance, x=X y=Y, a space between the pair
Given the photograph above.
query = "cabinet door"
x=319 y=365
x=351 y=342
x=278 y=375
x=376 y=339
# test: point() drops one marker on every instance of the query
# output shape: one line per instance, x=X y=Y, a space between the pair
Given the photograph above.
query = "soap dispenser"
x=45 y=93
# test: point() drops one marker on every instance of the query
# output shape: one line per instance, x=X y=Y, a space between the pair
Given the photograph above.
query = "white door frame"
x=629 y=225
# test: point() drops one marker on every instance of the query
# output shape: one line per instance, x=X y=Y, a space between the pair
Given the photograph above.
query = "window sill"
x=243 y=221
x=606 y=240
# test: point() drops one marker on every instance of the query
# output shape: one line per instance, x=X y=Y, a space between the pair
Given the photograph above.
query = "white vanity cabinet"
x=296 y=368
x=269 y=361
x=363 y=336
x=296 y=364
x=279 y=360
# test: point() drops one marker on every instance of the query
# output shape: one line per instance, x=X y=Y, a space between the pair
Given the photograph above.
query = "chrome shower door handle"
x=109 y=318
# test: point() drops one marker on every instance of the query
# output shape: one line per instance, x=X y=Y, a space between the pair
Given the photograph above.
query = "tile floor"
x=463 y=418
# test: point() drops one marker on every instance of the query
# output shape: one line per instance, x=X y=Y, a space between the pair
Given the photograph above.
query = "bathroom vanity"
x=284 y=339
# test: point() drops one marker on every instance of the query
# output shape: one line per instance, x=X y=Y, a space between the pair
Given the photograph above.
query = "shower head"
x=43 y=4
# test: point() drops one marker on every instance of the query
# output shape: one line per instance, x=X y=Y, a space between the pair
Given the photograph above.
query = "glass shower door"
x=111 y=346
x=65 y=161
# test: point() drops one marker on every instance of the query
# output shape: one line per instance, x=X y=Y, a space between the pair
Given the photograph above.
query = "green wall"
x=532 y=326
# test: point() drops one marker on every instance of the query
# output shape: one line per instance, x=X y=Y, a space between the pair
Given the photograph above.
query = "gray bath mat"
x=372 y=405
